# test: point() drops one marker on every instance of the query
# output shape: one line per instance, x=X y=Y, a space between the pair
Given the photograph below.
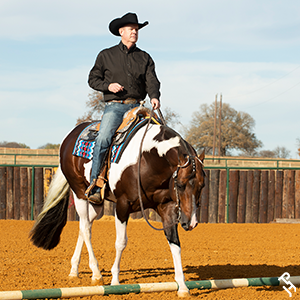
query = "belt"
x=127 y=101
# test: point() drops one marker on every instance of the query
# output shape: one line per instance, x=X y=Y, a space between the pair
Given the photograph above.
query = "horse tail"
x=51 y=221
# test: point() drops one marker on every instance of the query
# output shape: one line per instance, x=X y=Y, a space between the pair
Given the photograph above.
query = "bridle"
x=175 y=177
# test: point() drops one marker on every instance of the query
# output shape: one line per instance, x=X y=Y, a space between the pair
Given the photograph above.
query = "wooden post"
x=285 y=194
x=241 y=209
x=213 y=199
x=9 y=193
x=205 y=199
x=38 y=191
x=23 y=194
x=222 y=196
x=2 y=192
x=248 y=218
x=297 y=194
x=29 y=170
x=271 y=196
x=16 y=193
x=263 y=205
x=255 y=196
x=291 y=194
x=278 y=195
x=233 y=195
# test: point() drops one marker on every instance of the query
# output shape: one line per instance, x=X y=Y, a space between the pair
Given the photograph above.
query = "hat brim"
x=116 y=24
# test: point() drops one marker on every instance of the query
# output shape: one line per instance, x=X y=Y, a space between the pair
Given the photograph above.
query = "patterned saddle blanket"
x=85 y=142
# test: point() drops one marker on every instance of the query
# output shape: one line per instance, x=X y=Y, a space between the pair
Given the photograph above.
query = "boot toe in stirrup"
x=95 y=198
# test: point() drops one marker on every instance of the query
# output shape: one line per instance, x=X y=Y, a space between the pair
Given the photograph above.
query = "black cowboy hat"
x=129 y=18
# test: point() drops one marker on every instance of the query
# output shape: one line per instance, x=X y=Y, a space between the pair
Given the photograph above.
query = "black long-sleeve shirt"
x=134 y=69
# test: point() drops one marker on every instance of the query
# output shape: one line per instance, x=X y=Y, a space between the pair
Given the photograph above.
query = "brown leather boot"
x=96 y=198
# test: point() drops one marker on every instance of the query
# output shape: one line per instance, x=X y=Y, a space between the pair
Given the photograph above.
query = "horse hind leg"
x=87 y=214
x=121 y=242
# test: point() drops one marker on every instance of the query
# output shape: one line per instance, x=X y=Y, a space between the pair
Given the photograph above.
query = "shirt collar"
x=125 y=49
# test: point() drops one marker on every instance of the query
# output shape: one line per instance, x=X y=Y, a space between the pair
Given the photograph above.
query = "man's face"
x=129 y=33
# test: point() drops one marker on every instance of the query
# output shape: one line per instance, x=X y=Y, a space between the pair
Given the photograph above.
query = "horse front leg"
x=121 y=242
x=169 y=217
x=87 y=214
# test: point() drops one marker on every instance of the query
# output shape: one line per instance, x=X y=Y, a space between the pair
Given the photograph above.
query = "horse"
x=166 y=174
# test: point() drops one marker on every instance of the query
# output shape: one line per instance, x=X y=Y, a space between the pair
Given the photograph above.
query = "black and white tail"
x=51 y=221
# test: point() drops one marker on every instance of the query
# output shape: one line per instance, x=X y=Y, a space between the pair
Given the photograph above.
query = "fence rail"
x=232 y=193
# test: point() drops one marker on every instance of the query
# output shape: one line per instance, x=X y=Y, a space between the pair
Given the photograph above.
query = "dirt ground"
x=211 y=251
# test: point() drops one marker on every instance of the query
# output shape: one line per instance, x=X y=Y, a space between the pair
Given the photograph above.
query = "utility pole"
x=220 y=120
x=215 y=126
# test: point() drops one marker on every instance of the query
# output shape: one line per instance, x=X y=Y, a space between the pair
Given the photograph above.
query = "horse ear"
x=202 y=156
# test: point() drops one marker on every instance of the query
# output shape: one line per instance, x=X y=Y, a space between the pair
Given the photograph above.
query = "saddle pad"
x=85 y=142
x=117 y=150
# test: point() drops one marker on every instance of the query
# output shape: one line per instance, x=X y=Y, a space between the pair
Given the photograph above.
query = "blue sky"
x=246 y=50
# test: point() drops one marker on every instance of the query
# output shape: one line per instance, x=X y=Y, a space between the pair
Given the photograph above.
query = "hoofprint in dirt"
x=211 y=251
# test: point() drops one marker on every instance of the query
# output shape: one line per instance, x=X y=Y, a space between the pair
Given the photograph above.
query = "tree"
x=95 y=105
x=50 y=146
x=6 y=144
x=237 y=130
x=171 y=117
x=266 y=153
x=282 y=152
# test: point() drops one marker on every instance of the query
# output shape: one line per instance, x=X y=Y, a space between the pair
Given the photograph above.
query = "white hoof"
x=73 y=275
x=115 y=282
x=97 y=280
x=183 y=293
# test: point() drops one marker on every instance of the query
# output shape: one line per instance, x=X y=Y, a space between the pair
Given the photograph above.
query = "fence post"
x=248 y=217
x=2 y=193
x=255 y=196
x=263 y=205
x=278 y=194
x=241 y=205
x=23 y=194
x=38 y=191
x=297 y=194
x=205 y=199
x=233 y=195
x=271 y=196
x=16 y=193
x=222 y=196
x=213 y=199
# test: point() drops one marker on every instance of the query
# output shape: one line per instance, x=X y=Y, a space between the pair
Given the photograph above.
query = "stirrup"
x=88 y=190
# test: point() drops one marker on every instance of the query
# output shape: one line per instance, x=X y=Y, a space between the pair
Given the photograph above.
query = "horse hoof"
x=183 y=294
x=73 y=275
x=98 y=281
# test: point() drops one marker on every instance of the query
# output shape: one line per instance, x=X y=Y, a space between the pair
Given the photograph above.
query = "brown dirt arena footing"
x=211 y=251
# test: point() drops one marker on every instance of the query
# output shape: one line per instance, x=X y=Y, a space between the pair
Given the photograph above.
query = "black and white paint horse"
x=171 y=180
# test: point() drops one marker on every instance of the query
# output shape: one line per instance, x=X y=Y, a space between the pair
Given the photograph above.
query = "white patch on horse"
x=87 y=170
x=130 y=154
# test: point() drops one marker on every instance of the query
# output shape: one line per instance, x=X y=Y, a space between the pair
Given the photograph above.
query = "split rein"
x=175 y=177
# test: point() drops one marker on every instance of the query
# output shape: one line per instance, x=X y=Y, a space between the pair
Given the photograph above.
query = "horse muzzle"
x=188 y=224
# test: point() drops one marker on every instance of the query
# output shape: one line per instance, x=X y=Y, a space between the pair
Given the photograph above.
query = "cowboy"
x=124 y=74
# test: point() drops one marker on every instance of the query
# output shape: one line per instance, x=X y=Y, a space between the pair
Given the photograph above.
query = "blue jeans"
x=111 y=120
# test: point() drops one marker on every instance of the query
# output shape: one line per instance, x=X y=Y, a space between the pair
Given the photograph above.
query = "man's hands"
x=155 y=103
x=115 y=87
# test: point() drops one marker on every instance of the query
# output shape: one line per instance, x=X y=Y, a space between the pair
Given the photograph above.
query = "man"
x=125 y=75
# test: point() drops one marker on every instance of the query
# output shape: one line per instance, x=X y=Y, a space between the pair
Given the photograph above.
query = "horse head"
x=186 y=186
